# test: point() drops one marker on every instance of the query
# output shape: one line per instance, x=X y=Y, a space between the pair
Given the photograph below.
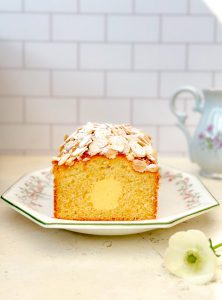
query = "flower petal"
x=193 y=242
x=174 y=260
x=188 y=239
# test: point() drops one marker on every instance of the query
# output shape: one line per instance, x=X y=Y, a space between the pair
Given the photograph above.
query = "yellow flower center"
x=191 y=259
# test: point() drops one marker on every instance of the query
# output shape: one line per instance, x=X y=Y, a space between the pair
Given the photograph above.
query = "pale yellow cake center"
x=105 y=194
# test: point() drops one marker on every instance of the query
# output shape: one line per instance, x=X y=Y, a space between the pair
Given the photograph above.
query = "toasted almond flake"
x=88 y=128
x=137 y=149
x=80 y=135
x=117 y=143
x=108 y=140
x=85 y=141
x=71 y=144
x=111 y=153
x=61 y=148
x=101 y=141
x=154 y=154
x=94 y=148
x=143 y=141
x=79 y=151
x=63 y=159
x=66 y=137
x=70 y=161
x=55 y=158
x=130 y=156
x=149 y=149
x=153 y=159
x=139 y=165
x=86 y=159
x=152 y=168
x=102 y=132
x=126 y=149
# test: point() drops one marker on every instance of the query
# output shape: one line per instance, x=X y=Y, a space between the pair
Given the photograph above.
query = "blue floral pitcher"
x=205 y=147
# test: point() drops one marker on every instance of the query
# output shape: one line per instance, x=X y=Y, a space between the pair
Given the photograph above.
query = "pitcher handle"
x=182 y=116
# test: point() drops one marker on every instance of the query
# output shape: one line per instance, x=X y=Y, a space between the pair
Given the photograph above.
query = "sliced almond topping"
x=101 y=141
x=130 y=156
x=68 y=146
x=139 y=165
x=79 y=151
x=101 y=132
x=149 y=149
x=126 y=149
x=138 y=150
x=61 y=148
x=66 y=137
x=55 y=158
x=63 y=159
x=111 y=153
x=144 y=141
x=85 y=141
x=152 y=168
x=94 y=148
x=86 y=159
x=108 y=140
x=154 y=154
x=80 y=135
x=88 y=128
x=153 y=159
x=117 y=143
x=70 y=161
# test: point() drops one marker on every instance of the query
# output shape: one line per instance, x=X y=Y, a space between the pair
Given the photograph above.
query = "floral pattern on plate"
x=181 y=197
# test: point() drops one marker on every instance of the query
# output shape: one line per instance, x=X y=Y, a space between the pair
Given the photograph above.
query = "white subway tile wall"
x=63 y=63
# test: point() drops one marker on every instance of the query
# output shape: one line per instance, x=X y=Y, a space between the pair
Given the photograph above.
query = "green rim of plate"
x=84 y=223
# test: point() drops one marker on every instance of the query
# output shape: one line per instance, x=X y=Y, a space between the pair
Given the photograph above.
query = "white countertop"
x=38 y=263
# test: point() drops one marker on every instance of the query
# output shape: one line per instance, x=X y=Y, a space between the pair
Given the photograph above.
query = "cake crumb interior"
x=104 y=189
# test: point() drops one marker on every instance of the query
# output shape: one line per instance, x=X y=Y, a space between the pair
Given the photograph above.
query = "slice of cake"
x=106 y=172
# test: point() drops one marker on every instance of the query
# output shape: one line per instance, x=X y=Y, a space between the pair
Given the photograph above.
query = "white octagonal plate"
x=181 y=196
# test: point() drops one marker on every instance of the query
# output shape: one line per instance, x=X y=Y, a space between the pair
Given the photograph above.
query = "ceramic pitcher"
x=205 y=146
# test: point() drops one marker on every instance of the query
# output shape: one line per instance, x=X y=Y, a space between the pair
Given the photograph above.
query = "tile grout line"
x=187 y=46
x=78 y=8
x=115 y=14
x=160 y=30
x=23 y=6
x=215 y=30
x=78 y=55
x=105 y=28
x=158 y=92
x=153 y=42
x=131 y=110
x=50 y=137
x=23 y=110
x=132 y=53
x=188 y=7
x=77 y=110
x=23 y=55
x=101 y=70
x=50 y=27
x=158 y=137
x=105 y=85
x=214 y=79
x=51 y=90
x=44 y=124
x=133 y=5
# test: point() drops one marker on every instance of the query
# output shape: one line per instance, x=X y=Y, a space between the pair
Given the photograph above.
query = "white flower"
x=189 y=256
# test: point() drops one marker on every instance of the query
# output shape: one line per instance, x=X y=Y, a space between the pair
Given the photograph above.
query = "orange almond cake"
x=106 y=172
